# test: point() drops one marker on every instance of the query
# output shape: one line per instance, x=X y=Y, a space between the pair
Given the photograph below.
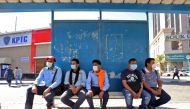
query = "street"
x=14 y=97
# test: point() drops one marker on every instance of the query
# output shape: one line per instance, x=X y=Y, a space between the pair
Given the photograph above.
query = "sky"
x=18 y=21
x=25 y=21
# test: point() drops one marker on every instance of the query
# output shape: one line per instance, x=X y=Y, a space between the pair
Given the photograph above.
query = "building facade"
x=171 y=37
x=24 y=49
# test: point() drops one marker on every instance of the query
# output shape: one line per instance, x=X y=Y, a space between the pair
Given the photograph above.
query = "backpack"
x=144 y=72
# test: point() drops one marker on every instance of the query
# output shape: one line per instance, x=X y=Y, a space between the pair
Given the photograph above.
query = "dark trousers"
x=65 y=98
x=9 y=79
x=176 y=74
x=96 y=91
x=163 y=98
x=9 y=82
x=40 y=90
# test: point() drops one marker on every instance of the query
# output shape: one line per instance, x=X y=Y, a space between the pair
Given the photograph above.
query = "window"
x=4 y=67
x=172 y=20
x=76 y=15
x=177 y=23
x=156 y=23
x=167 y=22
x=176 y=45
x=116 y=15
x=189 y=19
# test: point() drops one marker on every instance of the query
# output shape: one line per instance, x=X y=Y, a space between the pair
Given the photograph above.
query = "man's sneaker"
x=49 y=107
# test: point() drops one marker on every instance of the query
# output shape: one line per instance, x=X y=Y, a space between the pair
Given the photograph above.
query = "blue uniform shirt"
x=46 y=75
x=92 y=80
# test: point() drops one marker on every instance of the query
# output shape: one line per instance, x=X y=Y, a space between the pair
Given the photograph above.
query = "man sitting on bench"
x=75 y=79
x=97 y=84
x=133 y=86
x=153 y=84
x=46 y=75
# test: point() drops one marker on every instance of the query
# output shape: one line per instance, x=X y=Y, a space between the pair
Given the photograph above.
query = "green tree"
x=161 y=61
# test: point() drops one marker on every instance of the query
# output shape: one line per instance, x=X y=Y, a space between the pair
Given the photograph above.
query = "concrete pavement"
x=14 y=97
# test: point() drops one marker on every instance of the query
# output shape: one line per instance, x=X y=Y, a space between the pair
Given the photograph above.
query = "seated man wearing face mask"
x=153 y=84
x=46 y=75
x=75 y=79
x=133 y=86
x=97 y=84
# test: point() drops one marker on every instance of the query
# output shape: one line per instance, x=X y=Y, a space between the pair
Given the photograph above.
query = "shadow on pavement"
x=15 y=86
x=165 y=108
x=20 y=85
x=115 y=108
x=168 y=81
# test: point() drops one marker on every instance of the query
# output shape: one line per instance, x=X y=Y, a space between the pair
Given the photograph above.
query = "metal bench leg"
x=101 y=103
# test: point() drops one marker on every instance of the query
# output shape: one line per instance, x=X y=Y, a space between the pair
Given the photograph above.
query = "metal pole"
x=16 y=23
x=148 y=49
x=188 y=64
x=52 y=31
x=100 y=33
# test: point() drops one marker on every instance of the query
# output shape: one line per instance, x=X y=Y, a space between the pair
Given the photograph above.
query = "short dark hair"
x=148 y=60
x=16 y=67
x=96 y=61
x=76 y=60
x=132 y=59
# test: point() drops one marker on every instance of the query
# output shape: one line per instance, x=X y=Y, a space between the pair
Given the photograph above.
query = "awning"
x=100 y=1
x=40 y=57
x=5 y=61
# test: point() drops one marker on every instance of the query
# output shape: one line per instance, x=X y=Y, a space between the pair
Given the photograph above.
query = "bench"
x=113 y=95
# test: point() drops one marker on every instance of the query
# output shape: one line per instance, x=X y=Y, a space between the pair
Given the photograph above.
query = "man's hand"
x=138 y=95
x=134 y=95
x=34 y=90
x=156 y=92
x=46 y=91
x=159 y=90
x=101 y=94
x=73 y=89
x=90 y=93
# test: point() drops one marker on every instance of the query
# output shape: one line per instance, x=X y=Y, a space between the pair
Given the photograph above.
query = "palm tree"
x=161 y=61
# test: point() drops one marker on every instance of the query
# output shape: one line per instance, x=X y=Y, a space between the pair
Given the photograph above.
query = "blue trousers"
x=129 y=99
x=18 y=78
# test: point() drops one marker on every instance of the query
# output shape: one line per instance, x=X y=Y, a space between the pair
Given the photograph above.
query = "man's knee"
x=88 y=96
x=82 y=95
x=29 y=90
x=106 y=95
x=127 y=94
x=64 y=97
x=49 y=97
x=146 y=96
x=167 y=97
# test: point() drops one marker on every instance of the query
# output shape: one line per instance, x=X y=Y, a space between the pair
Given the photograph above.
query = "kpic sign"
x=12 y=40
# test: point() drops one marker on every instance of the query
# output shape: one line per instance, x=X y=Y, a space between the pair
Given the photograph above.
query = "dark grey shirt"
x=150 y=77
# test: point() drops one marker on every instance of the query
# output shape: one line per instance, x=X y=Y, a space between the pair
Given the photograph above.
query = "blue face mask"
x=133 y=66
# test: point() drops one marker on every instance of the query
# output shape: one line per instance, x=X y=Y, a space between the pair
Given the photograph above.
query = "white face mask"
x=95 y=68
x=73 y=67
x=49 y=64
x=133 y=66
x=154 y=66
